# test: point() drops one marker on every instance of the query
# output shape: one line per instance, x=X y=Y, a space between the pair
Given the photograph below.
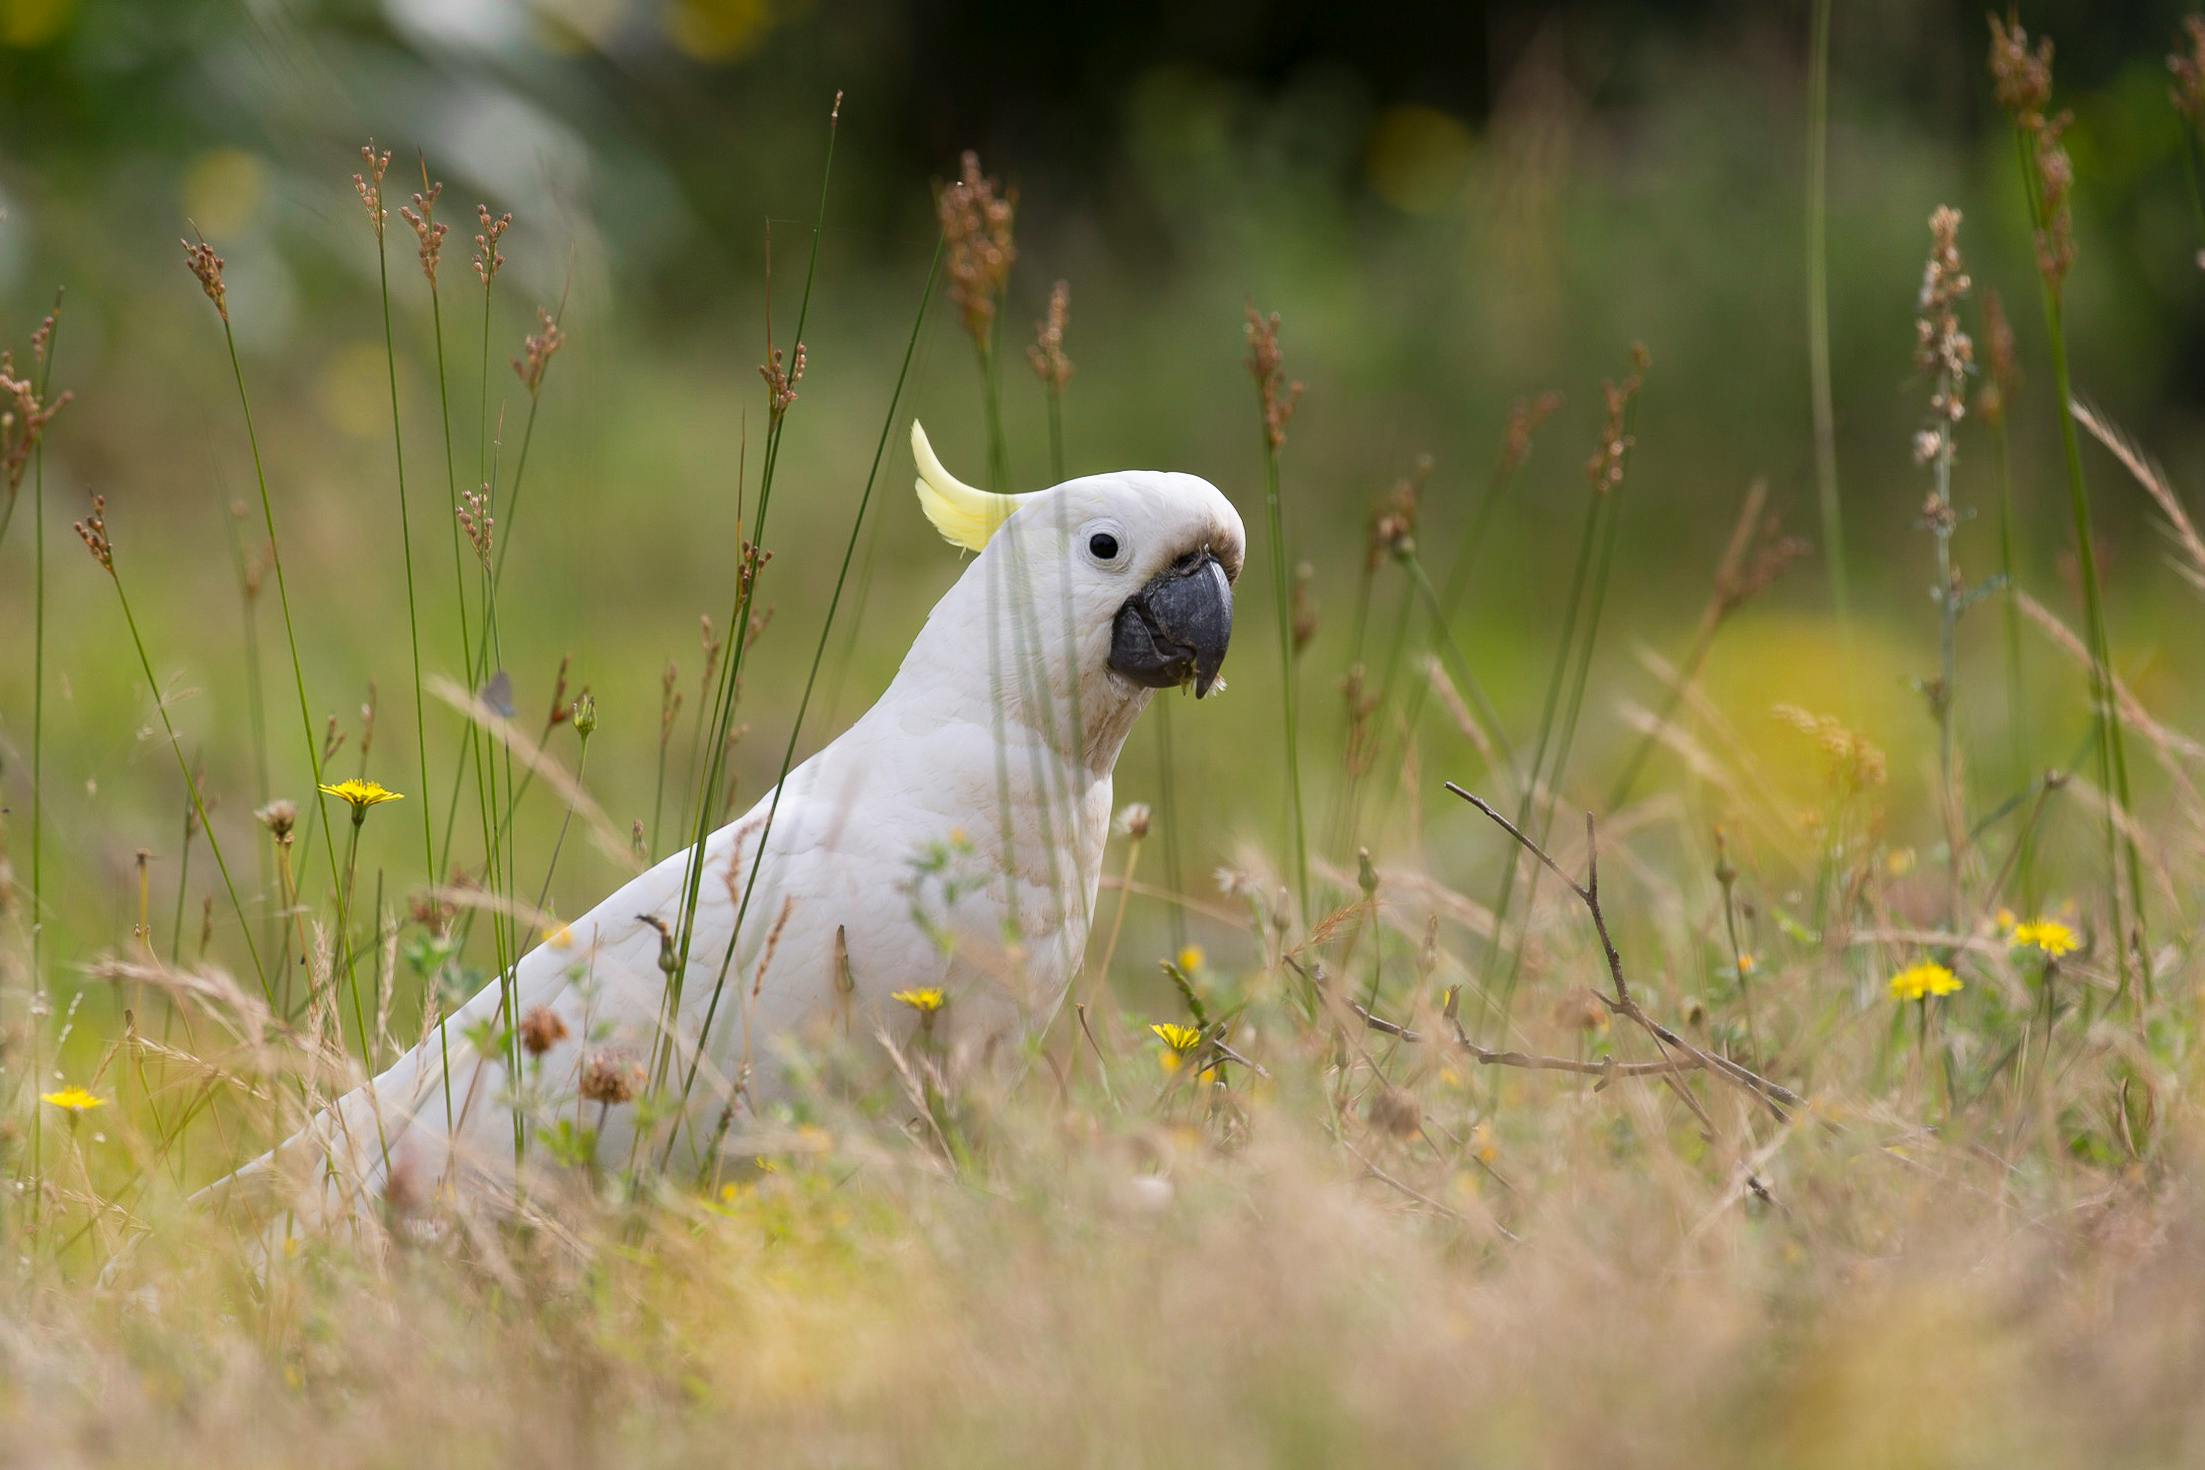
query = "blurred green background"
x=1450 y=206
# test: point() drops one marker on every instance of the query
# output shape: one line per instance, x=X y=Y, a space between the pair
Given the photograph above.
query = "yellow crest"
x=965 y=515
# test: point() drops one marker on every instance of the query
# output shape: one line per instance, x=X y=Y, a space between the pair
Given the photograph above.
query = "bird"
x=934 y=867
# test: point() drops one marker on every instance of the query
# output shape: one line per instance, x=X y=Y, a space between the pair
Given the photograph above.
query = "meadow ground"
x=1596 y=990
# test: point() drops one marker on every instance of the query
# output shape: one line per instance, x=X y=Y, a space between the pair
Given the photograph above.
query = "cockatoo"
x=950 y=841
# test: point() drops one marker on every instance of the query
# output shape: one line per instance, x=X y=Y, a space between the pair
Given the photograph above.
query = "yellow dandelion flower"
x=1899 y=863
x=1181 y=1039
x=73 y=1099
x=926 y=1002
x=1747 y=963
x=2049 y=937
x=559 y=936
x=1925 y=979
x=2005 y=920
x=1192 y=958
x=360 y=794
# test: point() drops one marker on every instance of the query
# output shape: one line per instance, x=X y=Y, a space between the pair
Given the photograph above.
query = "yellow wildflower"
x=1925 y=979
x=2005 y=920
x=2048 y=937
x=1747 y=963
x=926 y=1002
x=558 y=936
x=1181 y=1039
x=1191 y=958
x=360 y=794
x=73 y=1099
x=1899 y=862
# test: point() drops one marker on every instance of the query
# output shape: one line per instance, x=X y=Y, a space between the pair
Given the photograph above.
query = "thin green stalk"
x=290 y=630
x=176 y=745
x=459 y=563
x=256 y=705
x=413 y=612
x=1289 y=704
x=1818 y=312
x=2112 y=753
x=811 y=678
x=1168 y=819
x=38 y=784
x=2016 y=687
x=738 y=624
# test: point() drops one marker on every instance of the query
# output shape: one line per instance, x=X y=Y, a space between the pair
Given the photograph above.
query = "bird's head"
x=1135 y=567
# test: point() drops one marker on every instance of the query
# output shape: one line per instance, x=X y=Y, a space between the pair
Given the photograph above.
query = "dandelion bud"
x=1134 y=820
x=279 y=817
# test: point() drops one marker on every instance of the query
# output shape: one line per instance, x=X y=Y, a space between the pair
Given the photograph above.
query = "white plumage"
x=894 y=834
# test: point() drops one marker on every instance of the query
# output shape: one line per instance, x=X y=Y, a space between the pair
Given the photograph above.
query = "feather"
x=965 y=514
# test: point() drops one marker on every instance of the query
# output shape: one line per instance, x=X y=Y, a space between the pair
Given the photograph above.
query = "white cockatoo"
x=951 y=840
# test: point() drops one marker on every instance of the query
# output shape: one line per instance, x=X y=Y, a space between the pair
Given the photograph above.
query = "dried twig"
x=1773 y=1095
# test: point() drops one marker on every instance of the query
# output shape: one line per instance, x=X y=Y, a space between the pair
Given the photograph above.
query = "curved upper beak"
x=1176 y=628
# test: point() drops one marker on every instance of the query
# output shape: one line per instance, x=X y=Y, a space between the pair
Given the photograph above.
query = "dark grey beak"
x=1176 y=628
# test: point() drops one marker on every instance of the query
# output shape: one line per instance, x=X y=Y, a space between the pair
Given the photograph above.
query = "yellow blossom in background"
x=558 y=936
x=2005 y=920
x=1178 y=1041
x=1747 y=963
x=1900 y=862
x=73 y=1100
x=926 y=1002
x=2048 y=937
x=360 y=794
x=1925 y=979
x=1192 y=958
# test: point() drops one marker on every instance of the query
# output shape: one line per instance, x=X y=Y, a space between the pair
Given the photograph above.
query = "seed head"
x=1047 y=353
x=421 y=214
x=2005 y=371
x=1267 y=365
x=1941 y=348
x=369 y=186
x=2055 y=182
x=2189 y=71
x=475 y=519
x=611 y=1077
x=539 y=348
x=2020 y=77
x=23 y=414
x=976 y=218
x=541 y=1030
x=1605 y=468
x=92 y=531
x=207 y=266
x=1525 y=416
x=487 y=256
x=780 y=385
x=279 y=817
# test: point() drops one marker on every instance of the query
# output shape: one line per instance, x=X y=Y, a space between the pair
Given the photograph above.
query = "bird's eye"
x=1103 y=546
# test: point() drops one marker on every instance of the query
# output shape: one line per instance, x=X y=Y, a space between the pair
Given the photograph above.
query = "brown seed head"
x=541 y=1030
x=279 y=817
x=369 y=186
x=1047 y=353
x=1525 y=416
x=2005 y=369
x=537 y=351
x=1941 y=348
x=976 y=216
x=1605 y=468
x=1267 y=365
x=611 y=1077
x=92 y=531
x=2189 y=70
x=2020 y=77
x=780 y=385
x=475 y=519
x=487 y=256
x=421 y=214
x=23 y=415
x=207 y=266
x=2055 y=182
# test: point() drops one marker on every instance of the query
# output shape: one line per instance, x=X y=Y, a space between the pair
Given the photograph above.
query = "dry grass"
x=1656 y=1170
